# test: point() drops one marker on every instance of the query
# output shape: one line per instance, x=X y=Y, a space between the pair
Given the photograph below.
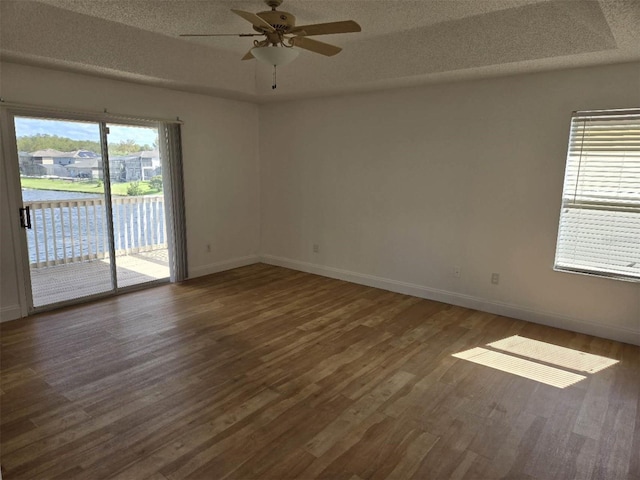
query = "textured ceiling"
x=403 y=42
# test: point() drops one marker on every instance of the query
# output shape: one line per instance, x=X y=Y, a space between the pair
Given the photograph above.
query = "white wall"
x=220 y=152
x=399 y=187
x=395 y=187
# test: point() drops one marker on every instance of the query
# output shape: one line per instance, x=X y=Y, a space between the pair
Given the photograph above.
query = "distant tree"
x=134 y=189
x=41 y=141
x=156 y=183
x=126 y=147
x=31 y=169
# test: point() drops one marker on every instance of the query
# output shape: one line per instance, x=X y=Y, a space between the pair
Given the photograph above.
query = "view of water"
x=82 y=231
x=29 y=195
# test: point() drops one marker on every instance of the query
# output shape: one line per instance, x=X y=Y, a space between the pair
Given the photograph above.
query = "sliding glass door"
x=137 y=203
x=92 y=207
x=64 y=209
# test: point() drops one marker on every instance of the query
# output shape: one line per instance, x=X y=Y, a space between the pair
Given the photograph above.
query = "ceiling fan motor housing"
x=281 y=21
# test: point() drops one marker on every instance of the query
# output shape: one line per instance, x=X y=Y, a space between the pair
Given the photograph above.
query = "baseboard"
x=12 y=312
x=467 y=301
x=222 y=266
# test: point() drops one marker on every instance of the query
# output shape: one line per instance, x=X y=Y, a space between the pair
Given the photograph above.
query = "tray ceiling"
x=403 y=42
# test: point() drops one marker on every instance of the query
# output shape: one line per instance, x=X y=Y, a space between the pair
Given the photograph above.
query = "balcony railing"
x=68 y=231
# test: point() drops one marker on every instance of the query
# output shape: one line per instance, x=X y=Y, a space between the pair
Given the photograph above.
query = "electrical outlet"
x=495 y=278
x=316 y=248
x=457 y=271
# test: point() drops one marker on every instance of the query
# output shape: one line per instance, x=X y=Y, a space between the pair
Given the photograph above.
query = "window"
x=599 y=229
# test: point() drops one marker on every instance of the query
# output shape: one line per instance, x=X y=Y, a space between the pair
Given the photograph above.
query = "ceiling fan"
x=281 y=34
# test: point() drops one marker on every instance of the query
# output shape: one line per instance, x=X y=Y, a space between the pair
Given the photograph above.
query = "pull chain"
x=273 y=87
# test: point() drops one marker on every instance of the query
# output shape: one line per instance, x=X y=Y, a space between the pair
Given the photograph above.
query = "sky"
x=83 y=130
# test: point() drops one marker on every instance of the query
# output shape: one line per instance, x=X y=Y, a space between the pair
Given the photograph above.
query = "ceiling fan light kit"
x=281 y=35
x=275 y=55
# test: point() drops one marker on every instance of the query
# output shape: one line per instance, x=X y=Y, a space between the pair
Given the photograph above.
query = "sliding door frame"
x=8 y=112
x=14 y=192
x=108 y=201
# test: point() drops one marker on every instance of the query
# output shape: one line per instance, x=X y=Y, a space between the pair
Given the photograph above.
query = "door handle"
x=25 y=217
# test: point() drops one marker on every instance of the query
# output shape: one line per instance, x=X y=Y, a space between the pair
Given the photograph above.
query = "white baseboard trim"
x=222 y=266
x=12 y=312
x=522 y=313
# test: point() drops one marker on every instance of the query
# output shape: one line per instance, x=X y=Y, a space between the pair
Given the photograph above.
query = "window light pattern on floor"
x=553 y=354
x=507 y=355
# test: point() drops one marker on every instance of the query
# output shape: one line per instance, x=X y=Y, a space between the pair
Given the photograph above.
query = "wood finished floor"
x=267 y=373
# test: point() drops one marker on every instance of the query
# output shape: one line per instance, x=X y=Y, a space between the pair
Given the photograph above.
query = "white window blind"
x=599 y=229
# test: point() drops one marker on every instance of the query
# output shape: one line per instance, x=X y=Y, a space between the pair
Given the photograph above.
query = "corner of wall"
x=8 y=313
x=217 y=267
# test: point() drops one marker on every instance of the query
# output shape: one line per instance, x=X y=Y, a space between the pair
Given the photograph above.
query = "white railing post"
x=64 y=239
x=46 y=238
x=71 y=238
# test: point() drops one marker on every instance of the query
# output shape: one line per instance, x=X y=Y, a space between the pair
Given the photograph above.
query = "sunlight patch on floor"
x=521 y=367
x=560 y=365
x=553 y=354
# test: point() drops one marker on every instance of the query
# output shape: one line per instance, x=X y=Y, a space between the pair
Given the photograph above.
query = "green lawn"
x=84 y=186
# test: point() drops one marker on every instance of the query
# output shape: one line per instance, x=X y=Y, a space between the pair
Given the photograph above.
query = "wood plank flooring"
x=267 y=373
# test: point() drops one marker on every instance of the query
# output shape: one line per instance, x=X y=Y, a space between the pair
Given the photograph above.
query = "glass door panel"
x=137 y=202
x=64 y=209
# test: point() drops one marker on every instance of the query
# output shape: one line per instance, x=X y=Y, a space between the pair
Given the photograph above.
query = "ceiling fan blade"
x=248 y=55
x=255 y=20
x=348 y=26
x=221 y=34
x=315 y=46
